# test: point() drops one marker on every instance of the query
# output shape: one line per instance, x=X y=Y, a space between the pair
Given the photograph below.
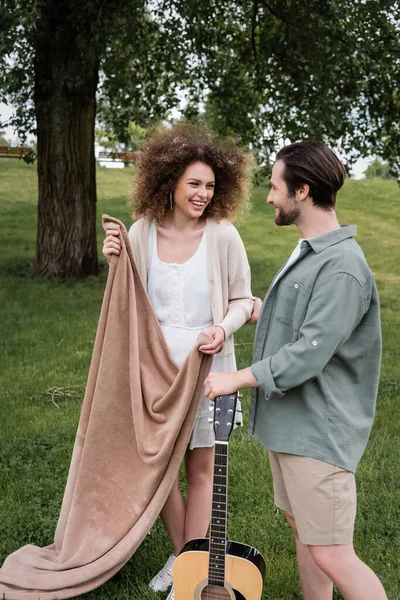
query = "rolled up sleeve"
x=337 y=305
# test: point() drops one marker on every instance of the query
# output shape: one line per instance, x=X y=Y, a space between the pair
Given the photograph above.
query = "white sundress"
x=180 y=296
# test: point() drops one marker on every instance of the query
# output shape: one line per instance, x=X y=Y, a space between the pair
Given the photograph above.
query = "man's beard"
x=288 y=216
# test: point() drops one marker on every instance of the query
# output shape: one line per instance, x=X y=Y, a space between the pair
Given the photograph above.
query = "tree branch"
x=253 y=29
x=273 y=12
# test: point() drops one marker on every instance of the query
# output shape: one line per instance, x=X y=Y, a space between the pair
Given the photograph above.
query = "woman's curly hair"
x=167 y=154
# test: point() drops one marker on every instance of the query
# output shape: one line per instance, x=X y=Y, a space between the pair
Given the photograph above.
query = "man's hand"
x=221 y=384
x=218 y=335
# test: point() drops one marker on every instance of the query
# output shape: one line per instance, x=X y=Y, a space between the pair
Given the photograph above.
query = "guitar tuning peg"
x=216 y=423
x=229 y=425
x=210 y=419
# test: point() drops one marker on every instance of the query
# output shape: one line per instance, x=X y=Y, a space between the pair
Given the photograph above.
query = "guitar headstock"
x=224 y=413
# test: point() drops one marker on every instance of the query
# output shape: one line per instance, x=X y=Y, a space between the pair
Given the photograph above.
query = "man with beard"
x=315 y=373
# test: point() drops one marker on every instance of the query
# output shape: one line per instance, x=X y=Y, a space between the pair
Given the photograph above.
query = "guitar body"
x=244 y=572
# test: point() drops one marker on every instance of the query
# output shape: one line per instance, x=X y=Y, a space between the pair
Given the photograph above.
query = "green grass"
x=47 y=329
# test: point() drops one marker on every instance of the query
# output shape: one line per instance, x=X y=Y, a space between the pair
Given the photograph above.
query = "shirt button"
x=314 y=343
x=296 y=285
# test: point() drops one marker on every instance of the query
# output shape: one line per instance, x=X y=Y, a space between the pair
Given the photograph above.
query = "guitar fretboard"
x=216 y=566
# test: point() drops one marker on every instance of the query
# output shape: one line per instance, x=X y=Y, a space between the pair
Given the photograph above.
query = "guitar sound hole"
x=215 y=592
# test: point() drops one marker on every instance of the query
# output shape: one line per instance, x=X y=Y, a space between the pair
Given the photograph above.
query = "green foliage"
x=137 y=136
x=106 y=139
x=143 y=64
x=30 y=157
x=378 y=169
x=48 y=329
x=265 y=70
x=134 y=137
x=3 y=141
x=86 y=34
x=287 y=71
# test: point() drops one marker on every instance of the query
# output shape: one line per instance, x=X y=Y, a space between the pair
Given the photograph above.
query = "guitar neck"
x=216 y=565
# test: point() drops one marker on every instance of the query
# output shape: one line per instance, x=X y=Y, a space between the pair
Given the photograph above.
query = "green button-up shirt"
x=317 y=354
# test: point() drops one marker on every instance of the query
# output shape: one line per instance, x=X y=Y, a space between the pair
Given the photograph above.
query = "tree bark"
x=66 y=80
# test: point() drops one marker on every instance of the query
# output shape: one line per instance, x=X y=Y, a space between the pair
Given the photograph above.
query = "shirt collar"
x=319 y=243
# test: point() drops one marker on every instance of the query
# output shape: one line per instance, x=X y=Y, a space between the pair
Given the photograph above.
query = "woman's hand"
x=111 y=244
x=218 y=335
x=256 y=311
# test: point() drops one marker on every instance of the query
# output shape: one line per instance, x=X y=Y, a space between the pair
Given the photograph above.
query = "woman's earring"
x=171 y=199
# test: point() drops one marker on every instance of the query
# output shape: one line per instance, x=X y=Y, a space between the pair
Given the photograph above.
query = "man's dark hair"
x=315 y=164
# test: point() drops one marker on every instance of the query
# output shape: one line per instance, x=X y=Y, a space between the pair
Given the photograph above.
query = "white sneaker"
x=171 y=595
x=163 y=580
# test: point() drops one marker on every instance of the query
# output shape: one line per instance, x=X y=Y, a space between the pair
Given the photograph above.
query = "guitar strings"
x=217 y=550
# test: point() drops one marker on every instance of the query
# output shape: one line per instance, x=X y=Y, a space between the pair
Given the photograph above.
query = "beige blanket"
x=136 y=421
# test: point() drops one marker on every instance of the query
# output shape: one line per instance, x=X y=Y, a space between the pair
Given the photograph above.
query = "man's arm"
x=220 y=384
x=336 y=307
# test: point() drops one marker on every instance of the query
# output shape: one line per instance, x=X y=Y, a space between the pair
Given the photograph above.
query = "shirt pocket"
x=291 y=303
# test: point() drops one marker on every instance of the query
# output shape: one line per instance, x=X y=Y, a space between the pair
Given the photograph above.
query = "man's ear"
x=303 y=192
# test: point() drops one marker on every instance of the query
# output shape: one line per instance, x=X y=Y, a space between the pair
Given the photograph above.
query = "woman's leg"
x=191 y=521
x=199 y=464
x=173 y=516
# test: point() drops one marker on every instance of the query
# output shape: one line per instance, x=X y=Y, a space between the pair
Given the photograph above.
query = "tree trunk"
x=65 y=101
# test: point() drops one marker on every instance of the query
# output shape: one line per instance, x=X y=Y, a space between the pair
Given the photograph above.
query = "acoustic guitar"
x=215 y=568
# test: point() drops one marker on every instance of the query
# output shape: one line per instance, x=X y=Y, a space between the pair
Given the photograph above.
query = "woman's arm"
x=256 y=311
x=240 y=298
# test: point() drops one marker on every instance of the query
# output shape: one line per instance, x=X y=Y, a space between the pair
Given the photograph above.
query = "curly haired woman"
x=188 y=189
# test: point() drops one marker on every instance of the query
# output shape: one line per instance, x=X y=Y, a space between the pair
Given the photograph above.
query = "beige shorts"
x=321 y=496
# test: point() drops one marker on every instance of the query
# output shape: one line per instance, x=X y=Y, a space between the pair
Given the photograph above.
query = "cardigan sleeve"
x=240 y=299
x=138 y=237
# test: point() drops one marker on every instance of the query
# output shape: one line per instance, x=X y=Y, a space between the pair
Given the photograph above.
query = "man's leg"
x=352 y=577
x=323 y=503
x=314 y=583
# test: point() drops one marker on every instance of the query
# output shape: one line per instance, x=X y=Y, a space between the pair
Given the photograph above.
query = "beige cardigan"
x=228 y=269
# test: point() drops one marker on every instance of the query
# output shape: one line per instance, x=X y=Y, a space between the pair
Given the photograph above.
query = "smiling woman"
x=191 y=197
x=193 y=264
x=196 y=186
x=166 y=155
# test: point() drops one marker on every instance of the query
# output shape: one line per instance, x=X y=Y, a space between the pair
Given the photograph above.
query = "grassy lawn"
x=47 y=330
